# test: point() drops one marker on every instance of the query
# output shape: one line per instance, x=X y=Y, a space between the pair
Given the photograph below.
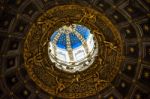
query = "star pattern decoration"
x=74 y=40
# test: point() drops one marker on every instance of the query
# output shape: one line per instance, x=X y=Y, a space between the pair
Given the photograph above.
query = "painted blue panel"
x=53 y=35
x=62 y=41
x=75 y=42
x=85 y=32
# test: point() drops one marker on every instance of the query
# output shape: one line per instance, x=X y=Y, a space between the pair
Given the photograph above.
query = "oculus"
x=72 y=48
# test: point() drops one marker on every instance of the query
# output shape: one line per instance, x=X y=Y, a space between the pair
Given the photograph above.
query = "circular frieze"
x=79 y=84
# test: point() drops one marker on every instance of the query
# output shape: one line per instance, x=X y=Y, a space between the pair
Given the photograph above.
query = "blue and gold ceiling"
x=75 y=42
x=130 y=17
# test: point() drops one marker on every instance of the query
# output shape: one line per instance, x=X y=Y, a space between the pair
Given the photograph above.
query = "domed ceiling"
x=117 y=66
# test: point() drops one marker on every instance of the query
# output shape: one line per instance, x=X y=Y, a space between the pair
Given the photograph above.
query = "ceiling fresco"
x=121 y=68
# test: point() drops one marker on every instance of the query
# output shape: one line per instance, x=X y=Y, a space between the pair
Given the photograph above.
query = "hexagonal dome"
x=75 y=33
x=70 y=45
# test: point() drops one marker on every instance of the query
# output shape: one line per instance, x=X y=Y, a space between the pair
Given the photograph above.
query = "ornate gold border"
x=55 y=82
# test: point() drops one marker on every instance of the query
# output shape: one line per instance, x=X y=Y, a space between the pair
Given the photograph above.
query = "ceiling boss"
x=73 y=51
